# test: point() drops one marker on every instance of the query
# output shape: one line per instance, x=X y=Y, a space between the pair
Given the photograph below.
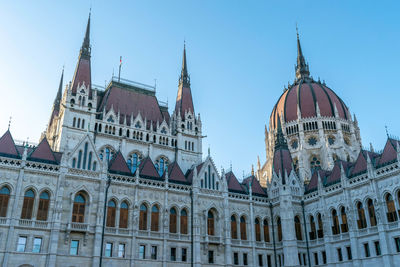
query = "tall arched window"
x=266 y=230
x=111 y=211
x=371 y=212
x=143 y=217
x=243 y=232
x=313 y=233
x=233 y=227
x=78 y=210
x=27 y=207
x=344 y=226
x=79 y=159
x=108 y=153
x=154 y=218
x=361 y=222
x=391 y=210
x=172 y=220
x=161 y=165
x=133 y=161
x=4 y=198
x=279 y=227
x=123 y=215
x=43 y=208
x=184 y=222
x=258 y=229
x=297 y=227
x=320 y=226
x=210 y=223
x=335 y=223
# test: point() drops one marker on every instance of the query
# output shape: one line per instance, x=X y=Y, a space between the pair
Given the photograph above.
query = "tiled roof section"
x=255 y=186
x=389 y=152
x=313 y=185
x=147 y=169
x=282 y=161
x=7 y=146
x=184 y=101
x=118 y=165
x=175 y=174
x=334 y=176
x=43 y=153
x=82 y=75
x=190 y=172
x=360 y=165
x=233 y=183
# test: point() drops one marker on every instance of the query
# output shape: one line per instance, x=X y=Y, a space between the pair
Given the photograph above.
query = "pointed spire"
x=85 y=50
x=280 y=141
x=184 y=79
x=57 y=101
x=302 y=70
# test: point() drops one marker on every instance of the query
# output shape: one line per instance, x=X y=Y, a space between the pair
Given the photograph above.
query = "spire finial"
x=9 y=123
x=184 y=79
x=280 y=141
x=387 y=132
x=85 y=50
x=302 y=70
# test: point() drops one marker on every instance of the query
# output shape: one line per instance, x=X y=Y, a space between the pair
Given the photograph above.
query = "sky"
x=240 y=56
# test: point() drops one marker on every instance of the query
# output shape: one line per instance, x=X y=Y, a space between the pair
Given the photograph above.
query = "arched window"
x=313 y=233
x=279 y=226
x=43 y=208
x=258 y=229
x=361 y=222
x=4 y=198
x=344 y=227
x=315 y=163
x=266 y=231
x=27 y=207
x=78 y=210
x=73 y=162
x=371 y=212
x=78 y=125
x=320 y=226
x=134 y=161
x=89 y=166
x=108 y=153
x=111 y=211
x=233 y=227
x=391 y=210
x=184 y=222
x=143 y=217
x=154 y=218
x=335 y=223
x=297 y=227
x=74 y=122
x=172 y=220
x=161 y=165
x=243 y=232
x=83 y=123
x=210 y=223
x=123 y=215
x=79 y=159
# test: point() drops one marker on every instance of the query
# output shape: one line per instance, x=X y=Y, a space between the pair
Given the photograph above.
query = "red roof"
x=175 y=173
x=147 y=169
x=389 y=152
x=282 y=161
x=184 y=102
x=82 y=74
x=313 y=185
x=190 y=172
x=7 y=145
x=43 y=152
x=118 y=165
x=233 y=183
x=255 y=186
x=335 y=175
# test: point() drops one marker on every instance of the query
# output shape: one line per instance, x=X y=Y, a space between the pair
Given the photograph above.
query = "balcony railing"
x=79 y=227
x=32 y=223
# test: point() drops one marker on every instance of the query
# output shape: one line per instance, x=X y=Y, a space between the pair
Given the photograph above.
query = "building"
x=319 y=199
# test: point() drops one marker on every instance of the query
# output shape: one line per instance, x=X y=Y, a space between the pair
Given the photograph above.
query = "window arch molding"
x=144 y=214
x=184 y=220
x=234 y=226
x=45 y=196
x=5 y=193
x=243 y=221
x=79 y=199
x=111 y=215
x=212 y=218
x=174 y=214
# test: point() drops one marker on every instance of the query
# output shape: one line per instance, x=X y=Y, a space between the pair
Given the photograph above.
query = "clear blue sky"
x=240 y=55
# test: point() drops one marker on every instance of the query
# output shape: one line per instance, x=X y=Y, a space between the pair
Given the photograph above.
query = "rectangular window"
x=210 y=256
x=37 y=245
x=269 y=261
x=304 y=259
x=339 y=253
x=73 y=250
x=349 y=255
x=260 y=260
x=142 y=252
x=121 y=251
x=316 y=258
x=280 y=260
x=324 y=257
x=397 y=243
x=366 y=250
x=153 y=253
x=245 y=259
x=377 y=248
x=21 y=244
x=184 y=254
x=299 y=254
x=173 y=254
x=236 y=258
x=108 y=252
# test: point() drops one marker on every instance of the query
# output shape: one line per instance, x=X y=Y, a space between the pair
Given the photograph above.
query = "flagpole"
x=120 y=63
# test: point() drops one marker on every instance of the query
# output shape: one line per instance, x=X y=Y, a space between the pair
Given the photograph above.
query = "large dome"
x=306 y=96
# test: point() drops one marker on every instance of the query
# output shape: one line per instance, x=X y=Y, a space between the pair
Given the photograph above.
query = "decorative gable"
x=84 y=155
x=43 y=153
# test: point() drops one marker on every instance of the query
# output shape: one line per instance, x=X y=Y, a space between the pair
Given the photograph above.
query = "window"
x=371 y=212
x=154 y=218
x=266 y=231
x=133 y=161
x=143 y=217
x=111 y=211
x=172 y=220
x=362 y=222
x=313 y=233
x=236 y=258
x=269 y=261
x=123 y=215
x=366 y=250
x=260 y=260
x=324 y=257
x=108 y=252
x=153 y=253
x=107 y=152
x=258 y=229
x=339 y=253
x=320 y=232
x=173 y=254
x=377 y=248
x=335 y=221
x=21 y=244
x=37 y=245
x=344 y=225
x=184 y=254
x=210 y=223
x=279 y=226
x=121 y=251
x=243 y=234
x=349 y=255
x=315 y=163
x=27 y=206
x=142 y=252
x=299 y=255
x=184 y=222
x=245 y=262
x=210 y=256
x=4 y=198
x=78 y=210
x=397 y=243
x=74 y=247
x=316 y=258
x=304 y=259
x=391 y=210
x=74 y=120
x=297 y=227
x=161 y=165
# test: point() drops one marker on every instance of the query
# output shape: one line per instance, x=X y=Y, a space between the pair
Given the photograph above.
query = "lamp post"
x=104 y=219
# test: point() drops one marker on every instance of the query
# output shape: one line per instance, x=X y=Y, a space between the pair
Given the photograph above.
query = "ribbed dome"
x=304 y=96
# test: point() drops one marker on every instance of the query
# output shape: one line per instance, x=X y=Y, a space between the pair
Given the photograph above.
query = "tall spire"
x=184 y=101
x=280 y=141
x=302 y=70
x=184 y=79
x=85 y=50
x=57 y=101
